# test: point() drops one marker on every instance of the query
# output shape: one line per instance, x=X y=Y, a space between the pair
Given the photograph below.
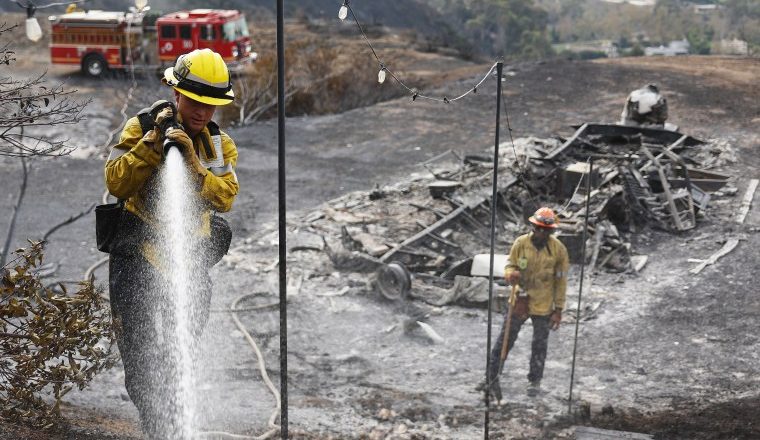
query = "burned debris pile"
x=436 y=224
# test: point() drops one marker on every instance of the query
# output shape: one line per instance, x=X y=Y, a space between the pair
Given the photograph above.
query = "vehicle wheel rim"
x=95 y=68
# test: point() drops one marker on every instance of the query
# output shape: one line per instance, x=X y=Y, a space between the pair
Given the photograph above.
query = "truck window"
x=235 y=29
x=208 y=32
x=169 y=31
x=185 y=32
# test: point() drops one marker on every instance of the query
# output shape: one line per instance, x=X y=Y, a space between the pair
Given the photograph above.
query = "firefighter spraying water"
x=174 y=169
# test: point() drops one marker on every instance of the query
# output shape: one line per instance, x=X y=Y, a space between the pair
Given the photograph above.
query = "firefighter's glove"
x=152 y=140
x=182 y=139
x=163 y=116
x=555 y=319
x=513 y=277
x=188 y=152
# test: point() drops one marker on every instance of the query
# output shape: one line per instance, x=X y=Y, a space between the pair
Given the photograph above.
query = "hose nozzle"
x=167 y=123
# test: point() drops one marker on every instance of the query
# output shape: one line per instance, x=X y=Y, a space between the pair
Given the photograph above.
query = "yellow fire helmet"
x=201 y=75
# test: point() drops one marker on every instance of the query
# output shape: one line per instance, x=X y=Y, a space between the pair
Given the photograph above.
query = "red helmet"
x=545 y=218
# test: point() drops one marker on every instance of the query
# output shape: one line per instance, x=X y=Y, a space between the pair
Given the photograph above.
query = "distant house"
x=677 y=47
x=733 y=47
x=611 y=49
x=592 y=49
x=705 y=9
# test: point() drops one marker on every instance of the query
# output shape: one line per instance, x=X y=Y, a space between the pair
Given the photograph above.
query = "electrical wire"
x=577 y=187
x=415 y=93
x=521 y=170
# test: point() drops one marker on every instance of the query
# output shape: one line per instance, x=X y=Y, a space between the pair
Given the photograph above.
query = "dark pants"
x=538 y=347
x=144 y=321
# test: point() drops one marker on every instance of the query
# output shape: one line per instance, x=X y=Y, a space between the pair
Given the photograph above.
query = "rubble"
x=434 y=224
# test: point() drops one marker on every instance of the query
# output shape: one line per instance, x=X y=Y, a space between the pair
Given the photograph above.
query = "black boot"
x=494 y=389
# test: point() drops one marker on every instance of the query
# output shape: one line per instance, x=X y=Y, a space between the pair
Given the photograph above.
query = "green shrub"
x=635 y=51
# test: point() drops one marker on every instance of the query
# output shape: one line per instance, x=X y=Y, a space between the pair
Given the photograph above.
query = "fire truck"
x=102 y=40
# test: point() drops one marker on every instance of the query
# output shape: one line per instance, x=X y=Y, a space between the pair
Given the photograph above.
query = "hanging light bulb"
x=343 y=12
x=381 y=74
x=141 y=4
x=33 y=30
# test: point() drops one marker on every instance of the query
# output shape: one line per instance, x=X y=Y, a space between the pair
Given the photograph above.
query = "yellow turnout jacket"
x=132 y=165
x=543 y=274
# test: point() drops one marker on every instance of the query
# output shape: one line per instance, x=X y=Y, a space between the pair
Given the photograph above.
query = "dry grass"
x=332 y=70
x=736 y=70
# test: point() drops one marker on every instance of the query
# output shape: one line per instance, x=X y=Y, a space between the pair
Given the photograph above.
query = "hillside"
x=411 y=14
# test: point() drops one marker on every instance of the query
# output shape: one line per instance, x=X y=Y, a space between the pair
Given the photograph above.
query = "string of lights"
x=343 y=12
x=385 y=70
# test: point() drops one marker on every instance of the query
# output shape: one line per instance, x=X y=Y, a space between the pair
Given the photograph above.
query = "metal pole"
x=494 y=194
x=282 y=219
x=580 y=288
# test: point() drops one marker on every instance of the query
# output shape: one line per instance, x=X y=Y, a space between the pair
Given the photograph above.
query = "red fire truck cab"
x=102 y=40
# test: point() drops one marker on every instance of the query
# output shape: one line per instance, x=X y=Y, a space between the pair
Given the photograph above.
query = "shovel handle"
x=507 y=326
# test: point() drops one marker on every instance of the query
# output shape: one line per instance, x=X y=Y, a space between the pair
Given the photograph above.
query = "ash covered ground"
x=672 y=354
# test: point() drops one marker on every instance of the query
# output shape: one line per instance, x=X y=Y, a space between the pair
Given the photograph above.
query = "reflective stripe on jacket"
x=543 y=274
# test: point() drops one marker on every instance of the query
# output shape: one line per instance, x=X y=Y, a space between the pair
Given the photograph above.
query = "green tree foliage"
x=516 y=28
x=636 y=51
x=667 y=20
x=743 y=9
x=745 y=17
x=700 y=40
x=51 y=340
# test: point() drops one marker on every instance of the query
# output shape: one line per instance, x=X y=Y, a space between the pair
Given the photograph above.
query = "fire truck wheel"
x=94 y=65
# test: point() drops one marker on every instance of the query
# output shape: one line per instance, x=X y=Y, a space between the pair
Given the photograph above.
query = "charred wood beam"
x=424 y=233
x=437 y=212
x=580 y=131
x=727 y=247
x=747 y=201
x=442 y=240
x=658 y=134
x=461 y=212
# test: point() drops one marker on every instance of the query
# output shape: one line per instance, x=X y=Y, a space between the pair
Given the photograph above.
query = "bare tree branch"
x=30 y=103
x=16 y=207
x=69 y=220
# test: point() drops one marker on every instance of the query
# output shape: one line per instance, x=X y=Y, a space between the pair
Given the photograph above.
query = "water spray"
x=177 y=231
